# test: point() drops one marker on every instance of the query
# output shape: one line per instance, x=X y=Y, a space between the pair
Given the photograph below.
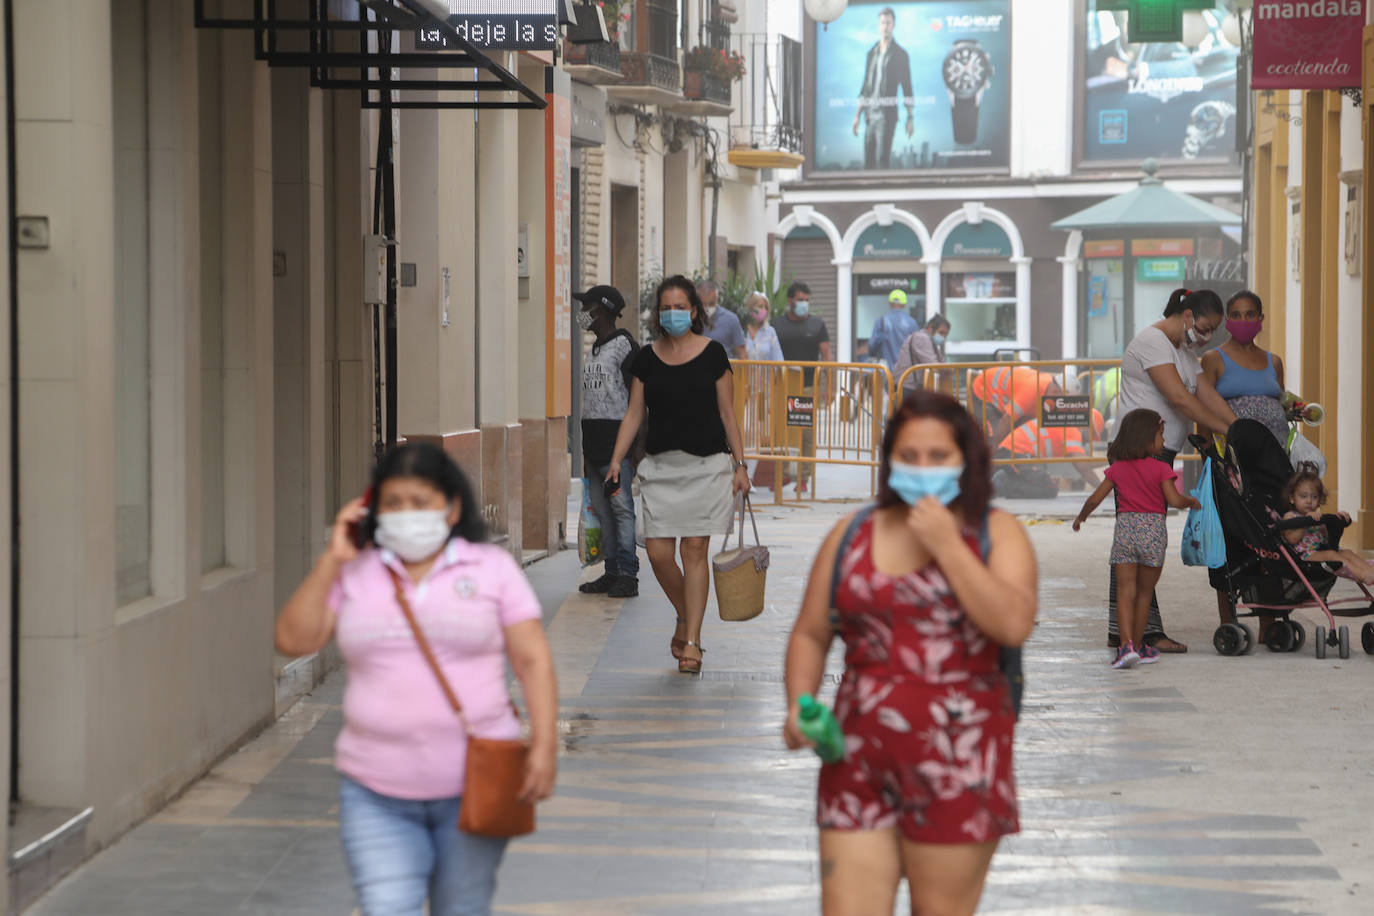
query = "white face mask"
x=585 y=319
x=711 y=311
x=413 y=536
x=1195 y=339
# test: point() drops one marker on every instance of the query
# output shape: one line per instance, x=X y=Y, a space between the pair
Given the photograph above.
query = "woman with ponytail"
x=1160 y=371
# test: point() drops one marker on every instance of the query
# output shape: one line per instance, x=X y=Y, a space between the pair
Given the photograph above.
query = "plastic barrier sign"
x=801 y=412
x=1066 y=410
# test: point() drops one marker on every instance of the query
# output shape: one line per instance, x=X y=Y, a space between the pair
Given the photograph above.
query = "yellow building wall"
x=1320 y=263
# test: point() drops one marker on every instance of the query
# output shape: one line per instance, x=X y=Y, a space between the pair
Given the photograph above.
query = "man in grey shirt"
x=922 y=348
x=722 y=325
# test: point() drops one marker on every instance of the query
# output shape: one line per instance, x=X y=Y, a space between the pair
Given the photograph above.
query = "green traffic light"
x=1155 y=20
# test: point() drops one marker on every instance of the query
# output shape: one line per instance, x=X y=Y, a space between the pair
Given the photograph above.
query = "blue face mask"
x=676 y=321
x=802 y=307
x=937 y=339
x=913 y=483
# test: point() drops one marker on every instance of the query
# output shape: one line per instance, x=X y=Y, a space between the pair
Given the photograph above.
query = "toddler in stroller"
x=1310 y=532
x=1264 y=575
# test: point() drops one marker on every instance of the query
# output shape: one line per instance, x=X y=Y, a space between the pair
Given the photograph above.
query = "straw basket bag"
x=741 y=574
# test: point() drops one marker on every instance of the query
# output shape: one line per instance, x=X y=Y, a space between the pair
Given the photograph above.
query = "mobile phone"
x=611 y=488
x=356 y=534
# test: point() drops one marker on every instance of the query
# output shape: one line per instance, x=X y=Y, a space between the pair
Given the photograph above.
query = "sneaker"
x=598 y=586
x=1148 y=655
x=801 y=487
x=1126 y=657
x=624 y=587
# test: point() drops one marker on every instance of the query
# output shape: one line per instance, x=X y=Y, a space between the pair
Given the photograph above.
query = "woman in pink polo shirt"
x=401 y=751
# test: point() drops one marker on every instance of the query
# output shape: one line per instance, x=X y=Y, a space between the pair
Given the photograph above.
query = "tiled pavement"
x=1203 y=785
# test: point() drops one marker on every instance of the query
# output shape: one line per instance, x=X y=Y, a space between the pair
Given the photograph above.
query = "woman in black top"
x=684 y=388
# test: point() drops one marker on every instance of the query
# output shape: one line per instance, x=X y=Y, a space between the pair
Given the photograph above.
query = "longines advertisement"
x=1170 y=101
x=915 y=86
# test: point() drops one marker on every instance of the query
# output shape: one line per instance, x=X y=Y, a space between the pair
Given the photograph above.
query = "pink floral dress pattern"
x=926 y=713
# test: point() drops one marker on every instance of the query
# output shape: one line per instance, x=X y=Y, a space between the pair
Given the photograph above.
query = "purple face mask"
x=1243 y=331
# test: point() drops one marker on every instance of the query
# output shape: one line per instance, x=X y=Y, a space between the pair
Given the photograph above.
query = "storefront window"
x=872 y=300
x=1106 y=308
x=980 y=305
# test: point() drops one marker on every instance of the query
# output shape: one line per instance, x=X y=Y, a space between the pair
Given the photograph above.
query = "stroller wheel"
x=1299 y=636
x=1367 y=638
x=1249 y=635
x=1229 y=639
x=1343 y=634
x=1319 y=641
x=1280 y=637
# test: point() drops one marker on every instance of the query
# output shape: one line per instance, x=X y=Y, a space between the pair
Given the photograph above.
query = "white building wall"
x=1042 y=64
x=1351 y=408
x=1292 y=364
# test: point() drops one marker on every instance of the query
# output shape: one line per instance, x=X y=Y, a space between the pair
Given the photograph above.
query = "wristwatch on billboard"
x=967 y=71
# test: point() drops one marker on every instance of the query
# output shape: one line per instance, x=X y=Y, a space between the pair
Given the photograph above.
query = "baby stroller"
x=1263 y=576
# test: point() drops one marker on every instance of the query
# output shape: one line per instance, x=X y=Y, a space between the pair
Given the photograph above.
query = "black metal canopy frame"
x=370 y=65
x=314 y=43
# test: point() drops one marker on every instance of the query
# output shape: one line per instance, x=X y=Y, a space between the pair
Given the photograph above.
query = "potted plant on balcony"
x=617 y=14
x=703 y=66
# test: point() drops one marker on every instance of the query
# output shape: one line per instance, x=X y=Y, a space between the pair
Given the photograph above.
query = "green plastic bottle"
x=818 y=724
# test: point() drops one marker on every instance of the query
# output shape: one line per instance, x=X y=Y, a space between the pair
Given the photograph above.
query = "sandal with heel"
x=687 y=665
x=676 y=645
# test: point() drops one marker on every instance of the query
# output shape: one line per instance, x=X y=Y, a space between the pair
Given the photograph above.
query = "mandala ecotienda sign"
x=1312 y=45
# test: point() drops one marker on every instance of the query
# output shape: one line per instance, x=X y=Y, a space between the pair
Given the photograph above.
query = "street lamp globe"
x=1195 y=29
x=825 y=11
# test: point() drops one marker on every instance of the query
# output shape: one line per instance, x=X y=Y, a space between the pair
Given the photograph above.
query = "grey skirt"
x=686 y=495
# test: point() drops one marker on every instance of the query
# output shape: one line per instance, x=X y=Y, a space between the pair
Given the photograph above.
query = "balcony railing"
x=767 y=127
x=601 y=54
x=705 y=87
x=649 y=54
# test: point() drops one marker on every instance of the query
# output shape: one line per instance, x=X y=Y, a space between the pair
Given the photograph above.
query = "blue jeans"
x=400 y=852
x=617 y=516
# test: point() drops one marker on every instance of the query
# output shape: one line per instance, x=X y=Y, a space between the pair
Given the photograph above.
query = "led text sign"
x=498 y=25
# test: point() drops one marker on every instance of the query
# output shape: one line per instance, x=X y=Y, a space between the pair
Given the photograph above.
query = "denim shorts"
x=401 y=852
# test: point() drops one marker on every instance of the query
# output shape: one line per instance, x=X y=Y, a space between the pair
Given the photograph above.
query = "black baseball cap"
x=608 y=297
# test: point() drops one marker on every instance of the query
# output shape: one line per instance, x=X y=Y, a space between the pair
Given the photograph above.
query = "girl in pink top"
x=1144 y=488
x=402 y=749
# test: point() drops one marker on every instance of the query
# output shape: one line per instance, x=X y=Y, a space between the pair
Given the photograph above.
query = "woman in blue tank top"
x=1249 y=377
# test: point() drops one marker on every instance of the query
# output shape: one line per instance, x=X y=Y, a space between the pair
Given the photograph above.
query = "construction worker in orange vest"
x=1013 y=392
x=1029 y=440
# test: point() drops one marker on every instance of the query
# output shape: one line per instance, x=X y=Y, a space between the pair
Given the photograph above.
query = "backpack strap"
x=846 y=539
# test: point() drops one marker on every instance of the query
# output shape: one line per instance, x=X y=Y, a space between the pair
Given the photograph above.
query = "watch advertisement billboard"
x=1172 y=101
x=913 y=86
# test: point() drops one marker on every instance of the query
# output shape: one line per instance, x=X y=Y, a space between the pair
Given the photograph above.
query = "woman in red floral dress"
x=926 y=787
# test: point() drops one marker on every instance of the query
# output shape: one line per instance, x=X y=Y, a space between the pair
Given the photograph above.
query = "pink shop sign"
x=1311 y=44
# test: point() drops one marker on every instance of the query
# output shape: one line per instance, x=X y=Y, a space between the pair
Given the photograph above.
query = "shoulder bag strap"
x=423 y=642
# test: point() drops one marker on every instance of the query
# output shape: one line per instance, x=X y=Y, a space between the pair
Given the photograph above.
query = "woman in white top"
x=1160 y=370
x=761 y=341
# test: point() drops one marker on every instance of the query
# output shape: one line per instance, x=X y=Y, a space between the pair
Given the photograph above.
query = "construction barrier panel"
x=795 y=416
x=1034 y=411
x=1037 y=414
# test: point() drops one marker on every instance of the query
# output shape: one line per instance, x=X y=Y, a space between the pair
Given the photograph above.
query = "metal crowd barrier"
x=1075 y=378
x=792 y=424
